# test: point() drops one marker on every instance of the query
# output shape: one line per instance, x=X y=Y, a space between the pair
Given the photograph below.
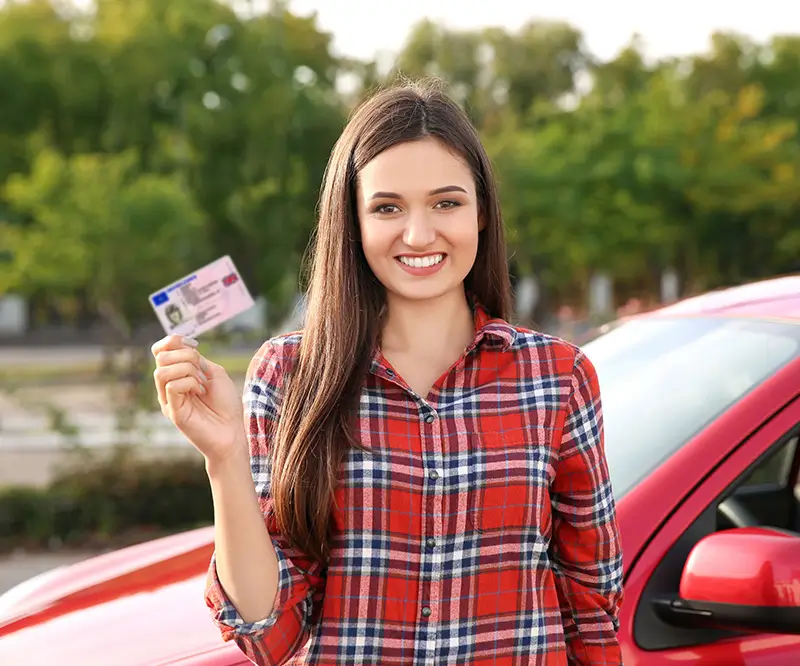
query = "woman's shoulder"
x=528 y=338
x=548 y=352
x=275 y=357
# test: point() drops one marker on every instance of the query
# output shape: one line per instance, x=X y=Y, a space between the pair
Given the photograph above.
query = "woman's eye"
x=446 y=205
x=385 y=209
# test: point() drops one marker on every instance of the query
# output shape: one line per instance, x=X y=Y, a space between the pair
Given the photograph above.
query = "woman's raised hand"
x=199 y=397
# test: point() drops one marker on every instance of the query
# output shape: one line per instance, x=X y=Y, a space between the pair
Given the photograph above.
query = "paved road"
x=39 y=356
x=15 y=569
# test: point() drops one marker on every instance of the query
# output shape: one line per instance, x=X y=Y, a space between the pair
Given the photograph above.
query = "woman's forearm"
x=246 y=564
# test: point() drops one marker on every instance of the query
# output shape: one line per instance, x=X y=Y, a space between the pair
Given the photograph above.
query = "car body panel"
x=776 y=298
x=166 y=624
x=83 y=613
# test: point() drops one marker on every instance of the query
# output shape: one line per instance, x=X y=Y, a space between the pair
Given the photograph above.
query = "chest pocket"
x=509 y=481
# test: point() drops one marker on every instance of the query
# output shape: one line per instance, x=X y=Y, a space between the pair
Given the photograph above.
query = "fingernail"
x=203 y=364
x=203 y=376
x=191 y=342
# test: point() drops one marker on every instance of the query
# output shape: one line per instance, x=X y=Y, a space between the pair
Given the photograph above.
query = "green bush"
x=102 y=499
x=25 y=514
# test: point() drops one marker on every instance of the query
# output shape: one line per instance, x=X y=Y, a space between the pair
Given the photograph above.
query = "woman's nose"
x=419 y=231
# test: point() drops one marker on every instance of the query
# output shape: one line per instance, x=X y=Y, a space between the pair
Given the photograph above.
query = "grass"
x=28 y=374
x=235 y=364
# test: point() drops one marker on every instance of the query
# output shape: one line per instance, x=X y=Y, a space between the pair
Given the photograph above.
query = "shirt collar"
x=487 y=328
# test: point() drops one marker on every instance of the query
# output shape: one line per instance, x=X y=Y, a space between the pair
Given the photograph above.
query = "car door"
x=765 y=466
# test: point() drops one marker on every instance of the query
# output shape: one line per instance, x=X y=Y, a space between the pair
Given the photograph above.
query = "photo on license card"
x=202 y=300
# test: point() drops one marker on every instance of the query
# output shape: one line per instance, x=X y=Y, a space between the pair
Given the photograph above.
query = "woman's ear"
x=481 y=222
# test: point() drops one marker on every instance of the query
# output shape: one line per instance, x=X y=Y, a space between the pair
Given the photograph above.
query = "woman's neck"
x=444 y=324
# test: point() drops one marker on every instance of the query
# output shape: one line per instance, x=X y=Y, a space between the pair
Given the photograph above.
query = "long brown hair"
x=345 y=303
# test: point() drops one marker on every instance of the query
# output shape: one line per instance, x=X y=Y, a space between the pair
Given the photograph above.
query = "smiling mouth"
x=421 y=262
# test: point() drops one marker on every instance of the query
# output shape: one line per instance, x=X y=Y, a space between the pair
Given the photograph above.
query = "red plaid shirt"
x=478 y=527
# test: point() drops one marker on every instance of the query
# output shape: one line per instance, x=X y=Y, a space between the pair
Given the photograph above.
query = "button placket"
x=432 y=524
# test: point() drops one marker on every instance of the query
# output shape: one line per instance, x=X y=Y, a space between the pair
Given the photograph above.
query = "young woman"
x=417 y=481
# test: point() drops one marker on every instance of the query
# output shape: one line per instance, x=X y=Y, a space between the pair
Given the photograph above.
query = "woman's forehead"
x=416 y=167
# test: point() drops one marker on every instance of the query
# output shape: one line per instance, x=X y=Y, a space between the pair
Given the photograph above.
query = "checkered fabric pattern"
x=478 y=526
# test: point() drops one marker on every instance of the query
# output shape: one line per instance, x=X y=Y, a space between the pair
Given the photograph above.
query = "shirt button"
x=390 y=372
x=426 y=612
x=433 y=474
x=431 y=542
x=430 y=418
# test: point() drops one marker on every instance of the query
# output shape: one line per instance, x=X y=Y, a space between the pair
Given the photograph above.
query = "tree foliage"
x=145 y=138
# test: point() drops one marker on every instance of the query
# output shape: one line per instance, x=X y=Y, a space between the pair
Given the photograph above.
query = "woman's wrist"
x=233 y=462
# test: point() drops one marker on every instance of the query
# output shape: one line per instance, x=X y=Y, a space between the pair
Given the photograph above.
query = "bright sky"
x=363 y=28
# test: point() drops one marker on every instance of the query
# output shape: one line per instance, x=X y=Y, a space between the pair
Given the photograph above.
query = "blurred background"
x=644 y=153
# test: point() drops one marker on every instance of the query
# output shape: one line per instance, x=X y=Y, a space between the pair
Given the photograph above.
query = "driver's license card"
x=202 y=300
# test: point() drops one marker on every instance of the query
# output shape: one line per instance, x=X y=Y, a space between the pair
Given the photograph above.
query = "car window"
x=662 y=380
x=775 y=469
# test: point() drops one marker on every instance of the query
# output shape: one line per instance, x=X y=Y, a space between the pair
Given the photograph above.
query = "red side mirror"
x=744 y=579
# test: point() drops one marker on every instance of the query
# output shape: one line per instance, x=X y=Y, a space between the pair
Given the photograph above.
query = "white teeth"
x=422 y=262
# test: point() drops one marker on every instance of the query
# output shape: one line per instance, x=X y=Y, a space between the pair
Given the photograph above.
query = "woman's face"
x=418 y=215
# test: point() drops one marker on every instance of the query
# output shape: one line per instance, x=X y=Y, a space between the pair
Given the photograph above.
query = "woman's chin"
x=432 y=290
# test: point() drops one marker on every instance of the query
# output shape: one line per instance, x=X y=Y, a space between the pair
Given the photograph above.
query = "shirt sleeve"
x=278 y=637
x=586 y=552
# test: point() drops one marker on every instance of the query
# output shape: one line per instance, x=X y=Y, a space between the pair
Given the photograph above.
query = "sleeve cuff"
x=228 y=618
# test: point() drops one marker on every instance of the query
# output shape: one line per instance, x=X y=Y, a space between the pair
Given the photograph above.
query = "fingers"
x=172 y=342
x=183 y=355
x=176 y=359
x=167 y=375
x=177 y=389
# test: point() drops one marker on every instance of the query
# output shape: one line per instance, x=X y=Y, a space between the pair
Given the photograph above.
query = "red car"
x=702 y=413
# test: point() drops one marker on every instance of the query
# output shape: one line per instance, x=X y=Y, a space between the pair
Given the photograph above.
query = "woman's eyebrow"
x=438 y=190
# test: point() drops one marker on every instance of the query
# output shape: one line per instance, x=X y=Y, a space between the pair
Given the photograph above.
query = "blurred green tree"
x=97 y=223
x=242 y=110
x=624 y=166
